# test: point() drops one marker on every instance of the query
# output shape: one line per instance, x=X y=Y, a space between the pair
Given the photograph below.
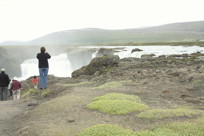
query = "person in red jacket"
x=16 y=86
x=35 y=82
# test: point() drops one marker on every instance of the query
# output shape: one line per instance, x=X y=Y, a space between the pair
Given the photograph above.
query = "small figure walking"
x=35 y=82
x=4 y=82
x=16 y=86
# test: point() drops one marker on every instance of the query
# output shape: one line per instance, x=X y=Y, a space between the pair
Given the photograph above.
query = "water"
x=125 y=51
x=158 y=50
x=60 y=65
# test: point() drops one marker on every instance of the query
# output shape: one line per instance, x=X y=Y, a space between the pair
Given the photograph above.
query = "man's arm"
x=48 y=55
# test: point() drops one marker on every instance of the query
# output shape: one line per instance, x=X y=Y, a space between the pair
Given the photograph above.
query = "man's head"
x=42 y=49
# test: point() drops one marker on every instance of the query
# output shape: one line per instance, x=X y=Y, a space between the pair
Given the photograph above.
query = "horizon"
x=26 y=20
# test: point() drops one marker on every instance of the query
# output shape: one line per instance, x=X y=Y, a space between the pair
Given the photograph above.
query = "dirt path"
x=9 y=110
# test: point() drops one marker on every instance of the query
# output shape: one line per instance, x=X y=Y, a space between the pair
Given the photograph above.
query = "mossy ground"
x=92 y=110
x=117 y=103
x=32 y=93
x=106 y=130
x=173 y=129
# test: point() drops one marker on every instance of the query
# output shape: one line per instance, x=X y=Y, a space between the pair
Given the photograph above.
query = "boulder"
x=99 y=65
x=136 y=50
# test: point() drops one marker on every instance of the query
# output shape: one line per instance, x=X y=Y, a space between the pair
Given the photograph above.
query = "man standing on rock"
x=4 y=82
x=43 y=67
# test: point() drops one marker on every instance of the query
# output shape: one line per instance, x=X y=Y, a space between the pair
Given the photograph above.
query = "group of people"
x=14 y=85
x=5 y=84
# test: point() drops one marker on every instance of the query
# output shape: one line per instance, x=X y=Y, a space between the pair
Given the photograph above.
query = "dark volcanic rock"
x=136 y=50
x=100 y=64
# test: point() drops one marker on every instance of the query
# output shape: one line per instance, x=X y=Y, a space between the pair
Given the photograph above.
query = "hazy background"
x=29 y=19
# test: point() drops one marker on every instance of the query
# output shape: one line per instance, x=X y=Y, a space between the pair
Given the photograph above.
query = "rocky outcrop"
x=97 y=65
x=104 y=51
x=147 y=56
x=136 y=50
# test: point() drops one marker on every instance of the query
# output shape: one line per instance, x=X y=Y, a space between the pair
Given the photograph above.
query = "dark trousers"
x=3 y=93
x=11 y=92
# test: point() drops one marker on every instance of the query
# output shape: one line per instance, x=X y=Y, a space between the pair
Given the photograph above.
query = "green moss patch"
x=201 y=119
x=187 y=129
x=46 y=93
x=106 y=130
x=116 y=103
x=168 y=113
x=36 y=93
x=118 y=96
x=29 y=93
x=173 y=129
x=158 y=132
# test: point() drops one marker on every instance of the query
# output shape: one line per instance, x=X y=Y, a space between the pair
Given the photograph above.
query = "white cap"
x=15 y=78
x=2 y=69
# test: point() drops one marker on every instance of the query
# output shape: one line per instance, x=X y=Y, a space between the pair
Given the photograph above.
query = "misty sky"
x=29 y=19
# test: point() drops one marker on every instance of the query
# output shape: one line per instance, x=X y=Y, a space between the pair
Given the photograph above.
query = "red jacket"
x=15 y=85
x=35 y=80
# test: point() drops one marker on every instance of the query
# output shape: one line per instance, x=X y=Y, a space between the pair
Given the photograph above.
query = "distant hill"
x=13 y=43
x=176 y=32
